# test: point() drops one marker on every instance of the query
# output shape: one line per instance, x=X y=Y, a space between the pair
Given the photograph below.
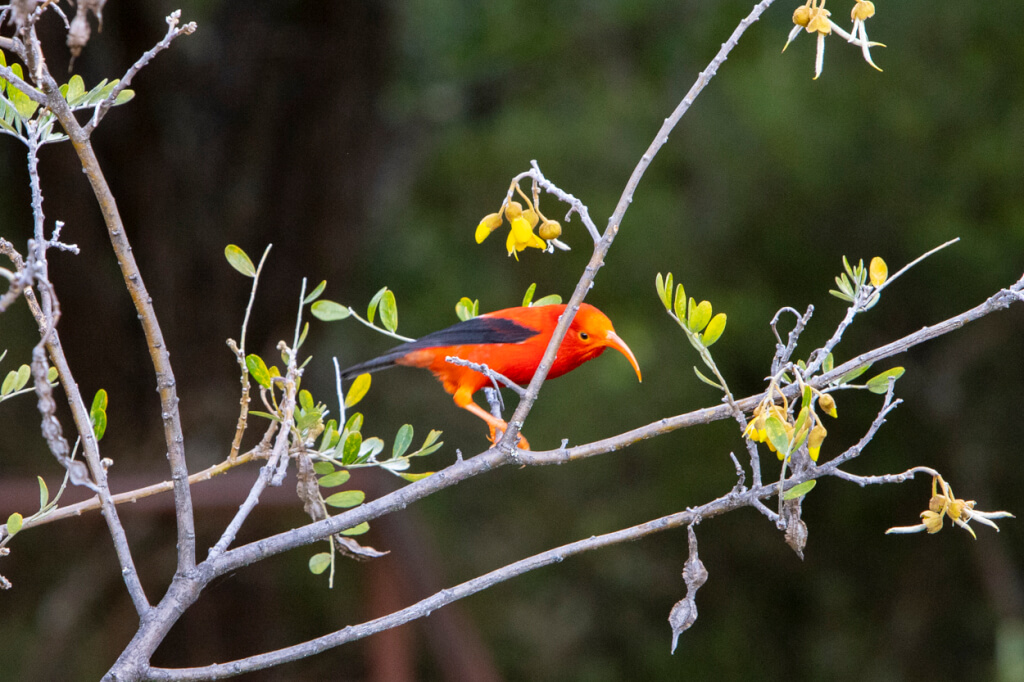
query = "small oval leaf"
x=318 y=563
x=239 y=260
x=799 y=490
x=333 y=480
x=714 y=329
x=346 y=499
x=356 y=392
x=402 y=440
x=389 y=311
x=357 y=530
x=329 y=311
x=880 y=384
x=14 y=522
x=315 y=294
x=258 y=370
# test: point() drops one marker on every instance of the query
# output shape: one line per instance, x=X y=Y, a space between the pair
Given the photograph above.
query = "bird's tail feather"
x=375 y=365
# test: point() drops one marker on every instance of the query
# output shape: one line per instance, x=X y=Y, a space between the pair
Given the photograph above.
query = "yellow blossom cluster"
x=944 y=504
x=522 y=223
x=772 y=424
x=812 y=17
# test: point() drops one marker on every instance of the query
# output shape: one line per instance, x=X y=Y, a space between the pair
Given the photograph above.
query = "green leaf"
x=51 y=374
x=346 y=499
x=323 y=468
x=529 y=294
x=350 y=450
x=356 y=392
x=412 y=478
x=123 y=97
x=329 y=311
x=880 y=384
x=680 y=303
x=371 y=447
x=700 y=317
x=265 y=415
x=777 y=434
x=23 y=104
x=44 y=492
x=829 y=363
x=389 y=311
x=467 y=309
x=239 y=260
x=854 y=373
x=258 y=370
x=355 y=422
x=318 y=563
x=371 y=310
x=707 y=381
x=302 y=340
x=429 y=444
x=14 y=522
x=74 y=90
x=799 y=490
x=98 y=414
x=306 y=401
x=357 y=530
x=659 y=286
x=806 y=396
x=8 y=386
x=402 y=440
x=335 y=479
x=24 y=372
x=840 y=296
x=550 y=299
x=315 y=294
x=714 y=330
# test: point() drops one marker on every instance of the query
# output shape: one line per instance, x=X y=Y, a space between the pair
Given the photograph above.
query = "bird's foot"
x=496 y=436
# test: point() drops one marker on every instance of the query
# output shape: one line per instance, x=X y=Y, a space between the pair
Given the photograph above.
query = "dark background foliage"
x=365 y=140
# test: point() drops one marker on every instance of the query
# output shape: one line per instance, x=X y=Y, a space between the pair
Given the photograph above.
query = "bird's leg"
x=493 y=422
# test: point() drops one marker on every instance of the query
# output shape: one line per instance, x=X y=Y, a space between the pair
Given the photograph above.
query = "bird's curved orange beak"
x=616 y=342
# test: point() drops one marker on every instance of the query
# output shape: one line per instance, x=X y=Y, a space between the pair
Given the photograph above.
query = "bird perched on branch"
x=510 y=342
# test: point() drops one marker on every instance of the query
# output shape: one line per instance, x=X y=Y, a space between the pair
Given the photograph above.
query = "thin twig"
x=166 y=384
x=173 y=31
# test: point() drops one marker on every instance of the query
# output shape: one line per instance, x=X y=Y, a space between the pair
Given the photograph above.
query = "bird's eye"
x=584 y=336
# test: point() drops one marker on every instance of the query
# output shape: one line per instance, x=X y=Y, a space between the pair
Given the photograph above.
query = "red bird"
x=510 y=342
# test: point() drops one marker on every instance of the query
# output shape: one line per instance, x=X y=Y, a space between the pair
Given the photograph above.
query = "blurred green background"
x=365 y=140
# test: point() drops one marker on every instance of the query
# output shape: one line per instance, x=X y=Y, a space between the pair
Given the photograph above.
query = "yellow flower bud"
x=819 y=23
x=932 y=521
x=550 y=229
x=489 y=224
x=827 y=404
x=802 y=15
x=937 y=503
x=956 y=508
x=531 y=217
x=815 y=440
x=864 y=9
x=879 y=271
x=513 y=210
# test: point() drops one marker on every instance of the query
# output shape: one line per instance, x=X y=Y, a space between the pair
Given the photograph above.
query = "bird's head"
x=591 y=332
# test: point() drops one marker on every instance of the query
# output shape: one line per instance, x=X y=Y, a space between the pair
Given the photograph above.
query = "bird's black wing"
x=476 y=330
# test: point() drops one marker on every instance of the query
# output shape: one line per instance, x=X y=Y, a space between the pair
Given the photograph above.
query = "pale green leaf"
x=880 y=384
x=346 y=499
x=357 y=530
x=329 y=311
x=315 y=294
x=14 y=522
x=239 y=260
x=799 y=490
x=318 y=563
x=389 y=311
x=403 y=439
x=335 y=479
